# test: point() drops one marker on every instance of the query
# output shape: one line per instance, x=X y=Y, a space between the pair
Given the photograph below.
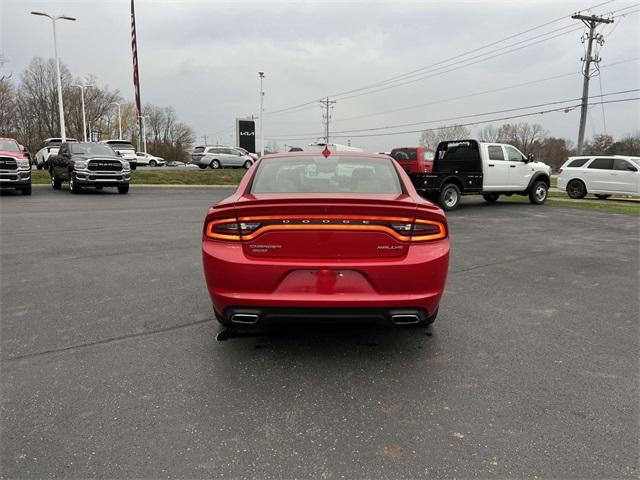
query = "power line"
x=460 y=117
x=484 y=92
x=480 y=122
x=366 y=87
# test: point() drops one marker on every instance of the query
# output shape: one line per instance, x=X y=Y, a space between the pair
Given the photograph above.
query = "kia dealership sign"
x=246 y=134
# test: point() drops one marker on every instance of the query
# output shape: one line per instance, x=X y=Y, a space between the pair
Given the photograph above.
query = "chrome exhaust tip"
x=405 y=319
x=244 y=318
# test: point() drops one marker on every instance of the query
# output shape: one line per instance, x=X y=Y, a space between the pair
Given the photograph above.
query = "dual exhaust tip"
x=397 y=319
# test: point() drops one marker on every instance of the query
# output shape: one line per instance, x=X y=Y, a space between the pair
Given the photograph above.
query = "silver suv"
x=218 y=156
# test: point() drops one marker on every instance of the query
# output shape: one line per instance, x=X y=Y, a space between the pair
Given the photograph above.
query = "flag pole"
x=136 y=77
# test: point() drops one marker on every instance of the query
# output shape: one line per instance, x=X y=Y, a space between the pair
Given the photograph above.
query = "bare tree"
x=489 y=133
x=523 y=136
x=432 y=137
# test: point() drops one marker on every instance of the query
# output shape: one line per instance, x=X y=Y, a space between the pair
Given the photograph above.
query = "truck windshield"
x=326 y=175
x=91 y=149
x=9 y=146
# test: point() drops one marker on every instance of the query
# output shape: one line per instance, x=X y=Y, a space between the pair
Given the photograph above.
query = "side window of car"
x=578 y=163
x=602 y=164
x=619 y=164
x=495 y=152
x=514 y=155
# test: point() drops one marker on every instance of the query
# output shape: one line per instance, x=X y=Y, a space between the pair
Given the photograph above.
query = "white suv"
x=218 y=156
x=601 y=175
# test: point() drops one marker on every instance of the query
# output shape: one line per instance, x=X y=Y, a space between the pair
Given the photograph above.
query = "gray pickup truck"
x=87 y=164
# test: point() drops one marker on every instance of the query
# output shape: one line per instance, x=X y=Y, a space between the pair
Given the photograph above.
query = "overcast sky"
x=202 y=57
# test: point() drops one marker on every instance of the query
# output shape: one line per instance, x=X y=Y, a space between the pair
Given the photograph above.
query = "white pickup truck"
x=469 y=167
x=48 y=147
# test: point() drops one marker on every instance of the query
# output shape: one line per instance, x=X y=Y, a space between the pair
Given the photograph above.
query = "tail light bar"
x=403 y=229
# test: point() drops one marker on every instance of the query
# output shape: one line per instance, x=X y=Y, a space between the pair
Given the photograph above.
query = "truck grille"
x=105 y=165
x=8 y=163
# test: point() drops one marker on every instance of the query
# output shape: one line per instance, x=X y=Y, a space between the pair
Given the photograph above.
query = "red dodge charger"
x=325 y=237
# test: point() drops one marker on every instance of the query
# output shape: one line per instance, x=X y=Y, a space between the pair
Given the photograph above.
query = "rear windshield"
x=198 y=150
x=336 y=174
x=405 y=154
x=121 y=145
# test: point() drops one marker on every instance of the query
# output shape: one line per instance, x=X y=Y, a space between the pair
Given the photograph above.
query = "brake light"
x=401 y=228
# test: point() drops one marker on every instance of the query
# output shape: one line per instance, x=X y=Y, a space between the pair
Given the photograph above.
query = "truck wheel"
x=56 y=184
x=215 y=164
x=26 y=190
x=73 y=185
x=602 y=196
x=576 y=189
x=491 y=197
x=538 y=193
x=449 y=197
x=123 y=189
x=39 y=167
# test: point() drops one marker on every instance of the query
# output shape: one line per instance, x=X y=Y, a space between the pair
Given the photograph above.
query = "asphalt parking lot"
x=111 y=367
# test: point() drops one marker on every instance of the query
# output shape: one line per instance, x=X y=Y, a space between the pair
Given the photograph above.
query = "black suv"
x=86 y=164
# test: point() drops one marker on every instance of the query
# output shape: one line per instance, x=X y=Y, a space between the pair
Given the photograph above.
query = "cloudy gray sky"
x=202 y=57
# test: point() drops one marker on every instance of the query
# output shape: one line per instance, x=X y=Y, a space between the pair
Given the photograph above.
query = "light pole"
x=144 y=132
x=119 y=120
x=261 y=75
x=63 y=133
x=84 y=118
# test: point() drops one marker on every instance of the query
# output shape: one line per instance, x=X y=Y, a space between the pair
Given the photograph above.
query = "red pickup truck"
x=414 y=159
x=15 y=168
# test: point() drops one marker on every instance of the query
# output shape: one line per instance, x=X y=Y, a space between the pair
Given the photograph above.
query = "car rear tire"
x=538 y=193
x=26 y=190
x=215 y=164
x=602 y=196
x=123 y=189
x=248 y=164
x=449 y=198
x=39 y=167
x=73 y=186
x=152 y=163
x=576 y=189
x=202 y=167
x=491 y=197
x=56 y=184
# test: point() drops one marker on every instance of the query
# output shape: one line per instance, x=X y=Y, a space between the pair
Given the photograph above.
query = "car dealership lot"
x=111 y=367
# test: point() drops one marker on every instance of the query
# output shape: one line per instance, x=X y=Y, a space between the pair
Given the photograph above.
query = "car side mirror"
x=530 y=158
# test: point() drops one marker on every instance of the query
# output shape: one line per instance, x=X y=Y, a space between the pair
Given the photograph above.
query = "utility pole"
x=591 y=21
x=205 y=139
x=261 y=75
x=119 y=121
x=326 y=116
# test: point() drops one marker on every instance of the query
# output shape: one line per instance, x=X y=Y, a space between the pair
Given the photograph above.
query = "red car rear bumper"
x=237 y=280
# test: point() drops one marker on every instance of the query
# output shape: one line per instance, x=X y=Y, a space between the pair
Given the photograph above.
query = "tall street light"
x=84 y=118
x=144 y=132
x=261 y=75
x=119 y=120
x=63 y=133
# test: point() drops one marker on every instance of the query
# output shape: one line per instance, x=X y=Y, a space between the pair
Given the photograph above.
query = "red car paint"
x=414 y=159
x=325 y=250
x=10 y=153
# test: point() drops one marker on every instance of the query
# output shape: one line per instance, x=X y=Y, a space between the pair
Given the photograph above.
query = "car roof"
x=284 y=155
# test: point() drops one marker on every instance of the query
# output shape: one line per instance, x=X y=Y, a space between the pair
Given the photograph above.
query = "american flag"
x=134 y=49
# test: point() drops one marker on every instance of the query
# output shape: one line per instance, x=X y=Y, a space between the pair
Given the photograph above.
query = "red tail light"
x=403 y=229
